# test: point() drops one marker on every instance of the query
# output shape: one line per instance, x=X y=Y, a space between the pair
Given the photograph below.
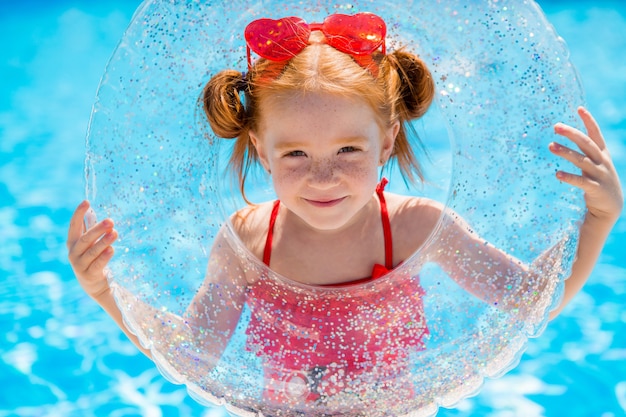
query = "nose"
x=323 y=174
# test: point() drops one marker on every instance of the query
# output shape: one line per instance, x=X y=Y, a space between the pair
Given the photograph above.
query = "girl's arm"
x=500 y=279
x=603 y=196
x=89 y=252
x=216 y=308
x=209 y=320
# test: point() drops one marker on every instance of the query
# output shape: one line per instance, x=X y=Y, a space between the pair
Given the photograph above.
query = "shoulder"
x=407 y=209
x=412 y=221
x=251 y=224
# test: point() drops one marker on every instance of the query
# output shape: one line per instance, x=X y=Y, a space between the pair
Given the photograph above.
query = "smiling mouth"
x=325 y=203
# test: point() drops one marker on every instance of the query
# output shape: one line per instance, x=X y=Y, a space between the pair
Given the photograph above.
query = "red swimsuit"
x=315 y=342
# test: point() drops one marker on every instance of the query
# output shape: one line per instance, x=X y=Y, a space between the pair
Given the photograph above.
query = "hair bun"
x=222 y=104
x=416 y=85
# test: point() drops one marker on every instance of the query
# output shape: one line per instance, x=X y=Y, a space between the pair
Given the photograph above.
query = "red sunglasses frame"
x=279 y=40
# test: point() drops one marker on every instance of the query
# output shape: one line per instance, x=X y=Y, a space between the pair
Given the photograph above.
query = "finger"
x=90 y=237
x=97 y=257
x=83 y=259
x=593 y=129
x=77 y=225
x=103 y=259
x=577 y=181
x=584 y=142
x=580 y=160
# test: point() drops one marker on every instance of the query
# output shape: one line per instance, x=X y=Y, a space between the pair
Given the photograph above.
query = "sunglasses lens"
x=277 y=40
x=359 y=34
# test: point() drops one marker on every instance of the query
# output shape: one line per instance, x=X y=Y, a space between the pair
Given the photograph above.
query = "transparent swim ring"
x=503 y=78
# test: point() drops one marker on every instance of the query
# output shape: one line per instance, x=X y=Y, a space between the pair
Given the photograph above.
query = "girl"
x=325 y=108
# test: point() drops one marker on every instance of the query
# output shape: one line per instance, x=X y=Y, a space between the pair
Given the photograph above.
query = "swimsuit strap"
x=384 y=215
x=267 y=253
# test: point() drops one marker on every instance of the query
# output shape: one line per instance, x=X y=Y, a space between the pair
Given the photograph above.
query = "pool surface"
x=60 y=355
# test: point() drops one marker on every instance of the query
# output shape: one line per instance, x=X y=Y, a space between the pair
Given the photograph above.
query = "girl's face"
x=323 y=152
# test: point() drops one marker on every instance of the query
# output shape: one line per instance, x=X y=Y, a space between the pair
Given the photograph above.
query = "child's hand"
x=90 y=251
x=598 y=179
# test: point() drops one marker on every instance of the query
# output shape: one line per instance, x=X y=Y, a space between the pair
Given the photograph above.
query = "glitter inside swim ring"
x=503 y=79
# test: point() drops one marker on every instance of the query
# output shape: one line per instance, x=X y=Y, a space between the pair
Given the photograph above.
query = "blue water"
x=60 y=355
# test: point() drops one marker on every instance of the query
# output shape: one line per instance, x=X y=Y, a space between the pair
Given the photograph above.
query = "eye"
x=295 y=153
x=347 y=149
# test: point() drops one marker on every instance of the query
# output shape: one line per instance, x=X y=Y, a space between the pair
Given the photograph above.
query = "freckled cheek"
x=358 y=170
x=290 y=174
x=288 y=182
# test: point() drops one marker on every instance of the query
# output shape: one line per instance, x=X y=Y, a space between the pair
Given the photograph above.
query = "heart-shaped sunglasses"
x=279 y=40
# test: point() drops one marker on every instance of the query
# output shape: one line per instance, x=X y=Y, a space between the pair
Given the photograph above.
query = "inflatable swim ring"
x=503 y=79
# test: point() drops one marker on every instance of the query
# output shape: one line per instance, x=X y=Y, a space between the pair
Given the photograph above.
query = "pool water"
x=60 y=355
